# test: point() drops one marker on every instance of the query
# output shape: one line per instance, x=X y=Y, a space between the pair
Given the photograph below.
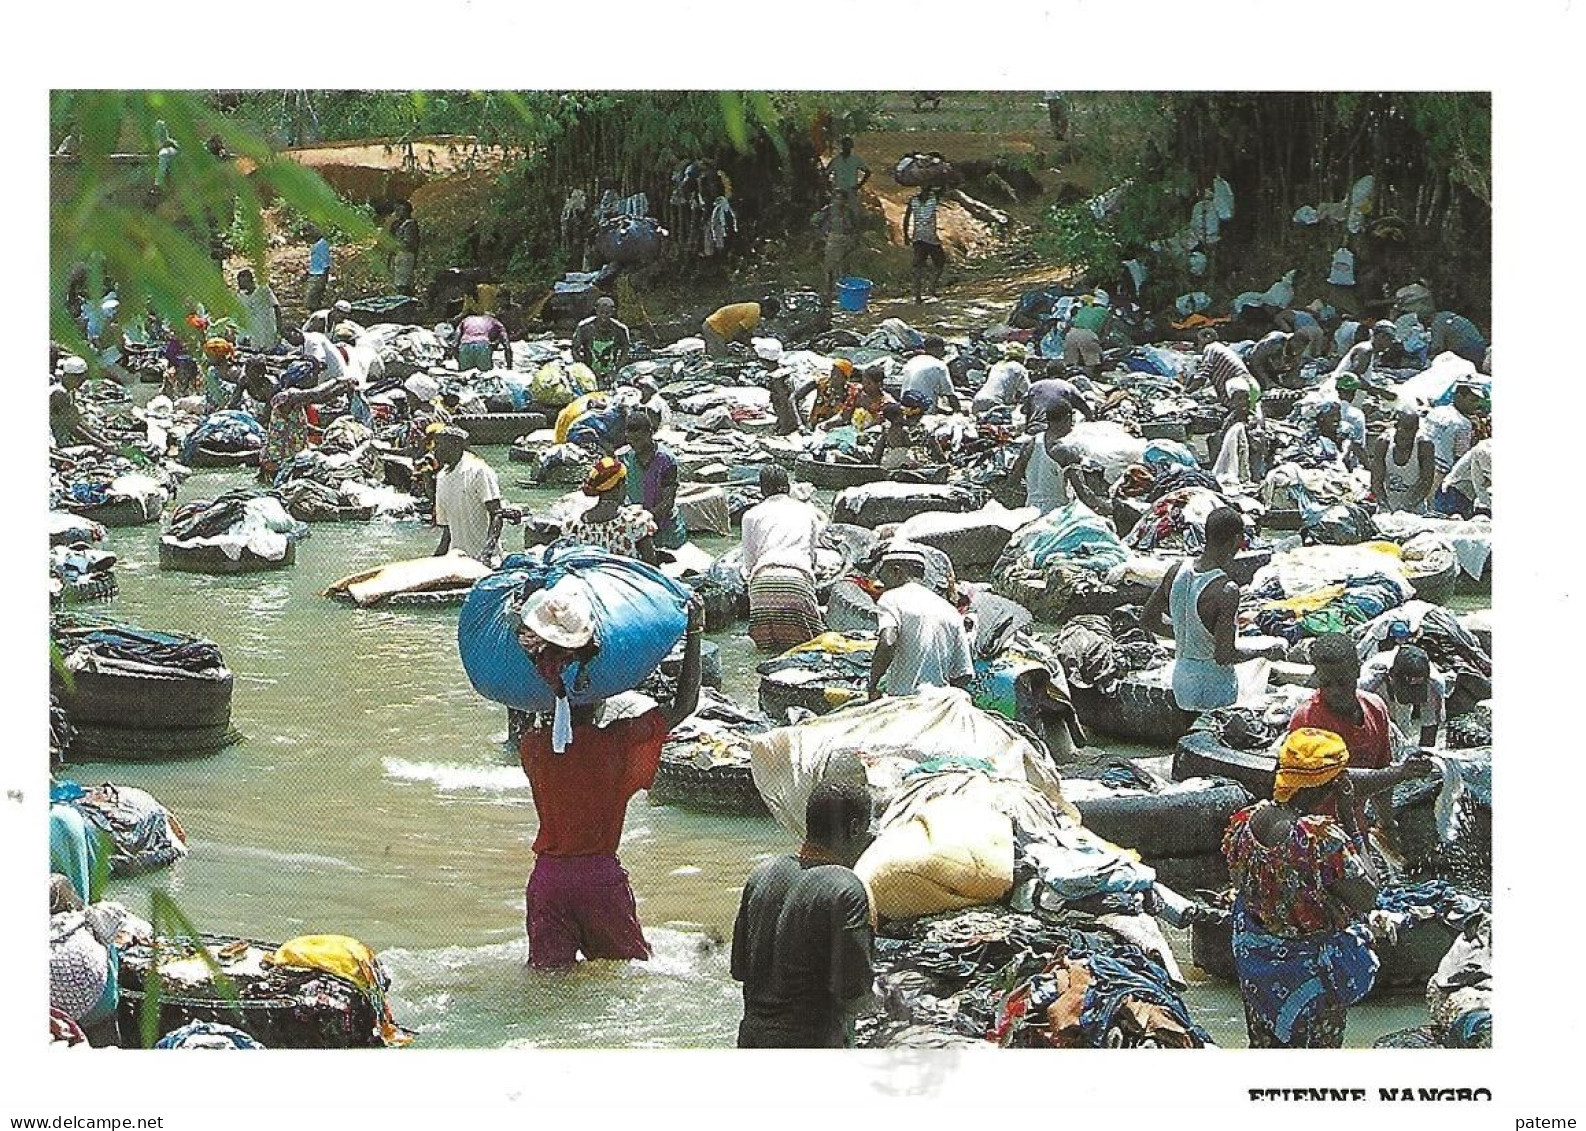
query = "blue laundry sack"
x=639 y=615
x=1152 y=359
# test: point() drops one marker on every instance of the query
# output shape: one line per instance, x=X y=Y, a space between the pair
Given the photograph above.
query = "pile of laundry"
x=1072 y=536
x=227 y=431
x=1312 y=590
x=89 y=478
x=316 y=991
x=1099 y=651
x=236 y=521
x=1313 y=486
x=1259 y=726
x=717 y=734
x=344 y=471
x=1176 y=522
x=144 y=835
x=88 y=642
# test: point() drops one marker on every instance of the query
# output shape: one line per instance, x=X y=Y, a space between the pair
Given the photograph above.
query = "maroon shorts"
x=576 y=904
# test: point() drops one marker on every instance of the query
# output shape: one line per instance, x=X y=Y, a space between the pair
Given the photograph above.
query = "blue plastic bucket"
x=853 y=293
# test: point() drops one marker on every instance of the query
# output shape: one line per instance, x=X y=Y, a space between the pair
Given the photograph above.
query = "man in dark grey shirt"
x=802 y=942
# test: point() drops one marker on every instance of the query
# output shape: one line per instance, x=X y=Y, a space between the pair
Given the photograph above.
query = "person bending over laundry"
x=1361 y=719
x=578 y=899
x=467 y=500
x=832 y=390
x=922 y=638
x=652 y=480
x=1007 y=383
x=1277 y=359
x=283 y=413
x=1051 y=470
x=1402 y=465
x=1303 y=886
x=926 y=373
x=1467 y=488
x=736 y=322
x=67 y=426
x=477 y=335
x=1451 y=430
x=1202 y=602
x=1241 y=447
x=1220 y=365
x=1054 y=392
x=778 y=562
x=1415 y=695
x=802 y=942
x=905 y=442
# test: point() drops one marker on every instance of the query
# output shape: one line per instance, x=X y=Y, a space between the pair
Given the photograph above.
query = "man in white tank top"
x=1050 y=468
x=1402 y=465
x=1203 y=603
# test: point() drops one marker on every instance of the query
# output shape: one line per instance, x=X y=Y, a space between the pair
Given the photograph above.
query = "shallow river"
x=373 y=797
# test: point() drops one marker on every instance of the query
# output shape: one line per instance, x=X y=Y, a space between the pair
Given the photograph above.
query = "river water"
x=373 y=797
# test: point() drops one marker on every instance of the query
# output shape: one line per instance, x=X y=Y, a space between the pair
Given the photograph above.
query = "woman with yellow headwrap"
x=610 y=524
x=1303 y=885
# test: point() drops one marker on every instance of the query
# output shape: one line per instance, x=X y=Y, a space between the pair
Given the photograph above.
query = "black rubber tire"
x=432 y=599
x=776 y=697
x=1421 y=1037
x=499 y=427
x=205 y=457
x=727 y=789
x=1436 y=588
x=710 y=669
x=93 y=743
x=1180 y=824
x=340 y=514
x=1175 y=430
x=836 y=476
x=1242 y=570
x=1212 y=949
x=1139 y=712
x=900 y=509
x=1126 y=513
x=1191 y=876
x=212 y=559
x=850 y=609
x=1200 y=755
x=121 y=514
x=1410 y=962
x=1467 y=586
x=136 y=702
x=973 y=550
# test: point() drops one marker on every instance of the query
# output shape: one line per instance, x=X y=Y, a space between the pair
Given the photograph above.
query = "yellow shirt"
x=730 y=321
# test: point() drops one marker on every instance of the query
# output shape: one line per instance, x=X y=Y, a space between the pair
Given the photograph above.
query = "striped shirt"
x=1220 y=364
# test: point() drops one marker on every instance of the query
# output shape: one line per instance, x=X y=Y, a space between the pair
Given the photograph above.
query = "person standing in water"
x=802 y=941
x=579 y=899
x=1203 y=604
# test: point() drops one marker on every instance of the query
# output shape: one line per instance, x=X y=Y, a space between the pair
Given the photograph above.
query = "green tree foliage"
x=153 y=247
x=1429 y=152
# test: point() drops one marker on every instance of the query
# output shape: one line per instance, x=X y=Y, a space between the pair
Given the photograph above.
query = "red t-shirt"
x=1368 y=744
x=582 y=794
